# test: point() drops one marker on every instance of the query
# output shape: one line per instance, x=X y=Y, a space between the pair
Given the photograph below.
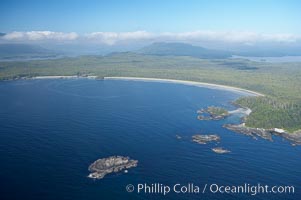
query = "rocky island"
x=212 y=113
x=104 y=166
x=204 y=139
x=220 y=150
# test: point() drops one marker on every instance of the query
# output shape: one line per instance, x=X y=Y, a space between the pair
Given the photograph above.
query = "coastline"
x=63 y=77
x=192 y=83
x=294 y=137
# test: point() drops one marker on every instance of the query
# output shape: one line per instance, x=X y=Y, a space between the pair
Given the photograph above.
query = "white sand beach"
x=63 y=77
x=193 y=83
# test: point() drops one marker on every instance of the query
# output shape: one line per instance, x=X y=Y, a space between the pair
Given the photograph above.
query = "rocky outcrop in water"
x=204 y=139
x=220 y=150
x=104 y=166
x=212 y=113
x=253 y=132
x=294 y=138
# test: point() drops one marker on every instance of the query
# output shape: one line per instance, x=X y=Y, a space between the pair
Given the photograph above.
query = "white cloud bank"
x=111 y=38
x=236 y=37
x=40 y=35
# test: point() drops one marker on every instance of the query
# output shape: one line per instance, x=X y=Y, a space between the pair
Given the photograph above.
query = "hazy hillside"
x=182 y=49
x=20 y=51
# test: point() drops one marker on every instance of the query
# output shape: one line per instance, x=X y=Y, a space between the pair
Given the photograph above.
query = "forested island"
x=280 y=107
x=212 y=113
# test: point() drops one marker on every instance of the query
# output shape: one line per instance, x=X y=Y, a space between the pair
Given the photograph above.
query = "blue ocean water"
x=52 y=130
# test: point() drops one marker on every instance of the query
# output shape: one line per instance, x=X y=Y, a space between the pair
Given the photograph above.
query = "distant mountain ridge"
x=11 y=49
x=21 y=51
x=182 y=49
x=24 y=51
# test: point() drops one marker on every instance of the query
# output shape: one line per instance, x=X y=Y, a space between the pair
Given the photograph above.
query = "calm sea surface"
x=52 y=130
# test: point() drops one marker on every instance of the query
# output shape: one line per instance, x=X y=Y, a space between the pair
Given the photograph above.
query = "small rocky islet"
x=204 y=139
x=212 y=113
x=104 y=166
x=220 y=150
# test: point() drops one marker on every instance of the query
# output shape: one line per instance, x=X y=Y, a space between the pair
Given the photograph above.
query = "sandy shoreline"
x=63 y=77
x=192 y=83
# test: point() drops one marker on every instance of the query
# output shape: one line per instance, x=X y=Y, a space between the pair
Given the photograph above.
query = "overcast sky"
x=111 y=22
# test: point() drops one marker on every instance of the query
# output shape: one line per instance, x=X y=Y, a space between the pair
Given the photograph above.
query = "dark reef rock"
x=104 y=166
x=204 y=139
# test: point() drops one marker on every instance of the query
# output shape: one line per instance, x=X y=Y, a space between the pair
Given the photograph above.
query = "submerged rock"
x=203 y=139
x=220 y=150
x=104 y=166
x=178 y=137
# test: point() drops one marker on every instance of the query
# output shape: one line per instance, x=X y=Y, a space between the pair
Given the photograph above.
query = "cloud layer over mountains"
x=115 y=38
